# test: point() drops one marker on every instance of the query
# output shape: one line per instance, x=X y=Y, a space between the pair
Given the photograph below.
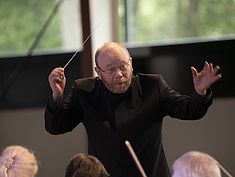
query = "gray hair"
x=196 y=164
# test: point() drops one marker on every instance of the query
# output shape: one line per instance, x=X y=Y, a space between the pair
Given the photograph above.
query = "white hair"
x=17 y=161
x=196 y=164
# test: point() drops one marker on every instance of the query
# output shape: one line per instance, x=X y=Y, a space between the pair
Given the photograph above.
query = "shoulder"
x=149 y=78
x=150 y=82
x=86 y=84
x=147 y=84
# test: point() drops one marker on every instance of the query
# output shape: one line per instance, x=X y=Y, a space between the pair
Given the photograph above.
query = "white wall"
x=214 y=134
x=26 y=127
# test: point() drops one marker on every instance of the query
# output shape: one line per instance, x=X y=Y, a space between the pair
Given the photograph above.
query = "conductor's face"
x=114 y=67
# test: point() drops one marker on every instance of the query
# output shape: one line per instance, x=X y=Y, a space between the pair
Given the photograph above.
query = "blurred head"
x=82 y=165
x=196 y=164
x=114 y=67
x=17 y=161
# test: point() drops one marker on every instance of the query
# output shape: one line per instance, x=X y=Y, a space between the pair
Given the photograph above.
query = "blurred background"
x=163 y=36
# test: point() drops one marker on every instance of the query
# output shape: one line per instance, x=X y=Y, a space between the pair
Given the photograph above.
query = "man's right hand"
x=57 y=83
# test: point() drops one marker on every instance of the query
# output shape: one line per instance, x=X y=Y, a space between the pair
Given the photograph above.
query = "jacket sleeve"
x=65 y=115
x=183 y=106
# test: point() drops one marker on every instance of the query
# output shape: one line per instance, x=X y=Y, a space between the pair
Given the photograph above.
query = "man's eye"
x=111 y=70
x=123 y=67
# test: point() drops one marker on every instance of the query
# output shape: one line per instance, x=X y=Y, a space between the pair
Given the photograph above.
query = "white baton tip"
x=127 y=142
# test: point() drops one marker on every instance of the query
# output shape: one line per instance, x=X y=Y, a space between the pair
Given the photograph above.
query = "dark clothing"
x=136 y=115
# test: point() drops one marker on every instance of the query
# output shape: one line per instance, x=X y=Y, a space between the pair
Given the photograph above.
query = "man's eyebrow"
x=112 y=64
x=115 y=63
x=108 y=65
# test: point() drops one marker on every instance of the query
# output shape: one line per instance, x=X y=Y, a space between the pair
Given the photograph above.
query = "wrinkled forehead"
x=112 y=53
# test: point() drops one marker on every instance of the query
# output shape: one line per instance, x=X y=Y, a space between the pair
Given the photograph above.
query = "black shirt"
x=136 y=115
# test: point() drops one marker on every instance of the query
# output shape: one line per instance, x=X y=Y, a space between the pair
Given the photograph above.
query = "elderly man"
x=196 y=164
x=118 y=106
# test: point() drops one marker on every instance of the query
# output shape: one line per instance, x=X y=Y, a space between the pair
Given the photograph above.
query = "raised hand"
x=205 y=78
x=57 y=83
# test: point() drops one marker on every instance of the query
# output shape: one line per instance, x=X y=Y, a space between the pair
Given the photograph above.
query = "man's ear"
x=98 y=72
x=131 y=63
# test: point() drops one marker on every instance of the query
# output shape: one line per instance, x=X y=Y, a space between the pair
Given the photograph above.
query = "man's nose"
x=118 y=73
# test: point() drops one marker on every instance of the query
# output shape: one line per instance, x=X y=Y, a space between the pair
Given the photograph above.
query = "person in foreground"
x=82 y=165
x=118 y=106
x=196 y=164
x=17 y=161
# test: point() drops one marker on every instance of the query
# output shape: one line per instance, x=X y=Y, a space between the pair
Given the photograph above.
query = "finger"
x=54 y=73
x=58 y=69
x=206 y=66
x=58 y=73
x=216 y=69
x=211 y=67
x=56 y=77
x=61 y=73
x=194 y=71
x=217 y=77
x=62 y=76
x=56 y=80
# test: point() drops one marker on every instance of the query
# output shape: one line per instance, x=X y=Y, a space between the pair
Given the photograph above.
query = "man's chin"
x=120 y=89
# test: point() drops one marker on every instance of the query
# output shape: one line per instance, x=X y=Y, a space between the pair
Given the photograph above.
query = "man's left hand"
x=205 y=78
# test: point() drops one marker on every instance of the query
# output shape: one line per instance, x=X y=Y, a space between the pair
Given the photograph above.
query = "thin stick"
x=224 y=170
x=137 y=162
x=80 y=47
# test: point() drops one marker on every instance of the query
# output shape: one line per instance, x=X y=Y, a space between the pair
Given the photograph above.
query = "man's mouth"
x=121 y=82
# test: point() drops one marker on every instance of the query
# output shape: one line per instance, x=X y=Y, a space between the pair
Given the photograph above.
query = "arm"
x=194 y=107
x=61 y=116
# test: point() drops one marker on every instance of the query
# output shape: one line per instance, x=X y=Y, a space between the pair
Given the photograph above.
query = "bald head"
x=110 y=48
x=114 y=67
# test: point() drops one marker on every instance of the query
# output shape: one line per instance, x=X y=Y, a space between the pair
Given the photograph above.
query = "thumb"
x=194 y=72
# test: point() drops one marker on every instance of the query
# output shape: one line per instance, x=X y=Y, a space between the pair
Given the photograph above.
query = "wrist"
x=56 y=97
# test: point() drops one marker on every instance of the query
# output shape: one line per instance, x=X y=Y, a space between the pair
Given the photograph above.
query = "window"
x=22 y=21
x=167 y=21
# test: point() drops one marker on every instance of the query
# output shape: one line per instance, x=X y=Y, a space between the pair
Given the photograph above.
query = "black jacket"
x=136 y=115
